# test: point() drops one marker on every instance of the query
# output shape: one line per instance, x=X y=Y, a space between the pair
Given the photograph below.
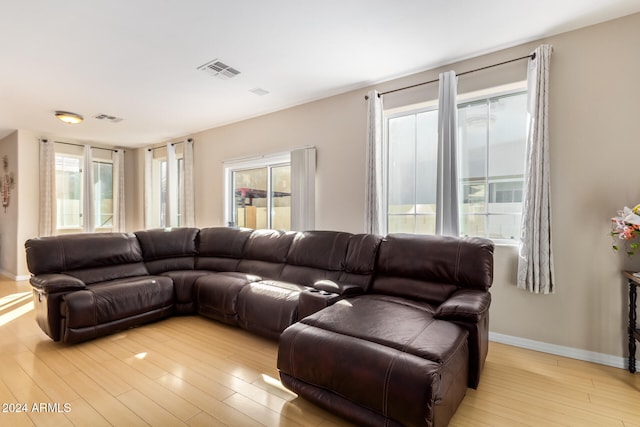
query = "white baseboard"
x=13 y=276
x=560 y=350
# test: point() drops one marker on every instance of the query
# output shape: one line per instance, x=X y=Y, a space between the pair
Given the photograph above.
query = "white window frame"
x=80 y=157
x=494 y=92
x=80 y=227
x=158 y=219
x=97 y=226
x=231 y=166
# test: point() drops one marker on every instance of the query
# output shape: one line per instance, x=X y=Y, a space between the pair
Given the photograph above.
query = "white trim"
x=13 y=277
x=560 y=350
x=230 y=166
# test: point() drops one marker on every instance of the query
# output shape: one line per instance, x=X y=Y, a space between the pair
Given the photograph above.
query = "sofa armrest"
x=464 y=305
x=53 y=283
x=338 y=287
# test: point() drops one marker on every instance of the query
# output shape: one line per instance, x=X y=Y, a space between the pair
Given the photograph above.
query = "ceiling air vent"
x=259 y=91
x=219 y=69
x=108 y=118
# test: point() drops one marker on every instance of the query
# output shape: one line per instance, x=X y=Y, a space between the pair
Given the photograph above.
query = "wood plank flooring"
x=191 y=371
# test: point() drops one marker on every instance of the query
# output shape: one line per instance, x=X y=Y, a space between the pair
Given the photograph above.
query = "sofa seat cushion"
x=216 y=294
x=117 y=299
x=268 y=307
x=413 y=329
x=183 y=285
x=377 y=360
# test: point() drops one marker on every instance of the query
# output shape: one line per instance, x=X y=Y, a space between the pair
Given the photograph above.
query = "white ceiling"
x=137 y=59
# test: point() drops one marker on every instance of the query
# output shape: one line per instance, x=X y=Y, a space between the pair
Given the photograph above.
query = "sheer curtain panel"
x=535 y=261
x=447 y=222
x=118 y=190
x=47 y=206
x=303 y=189
x=148 y=188
x=374 y=196
x=88 y=211
x=188 y=200
x=171 y=205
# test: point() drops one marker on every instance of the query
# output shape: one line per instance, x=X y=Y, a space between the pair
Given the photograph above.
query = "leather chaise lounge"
x=383 y=331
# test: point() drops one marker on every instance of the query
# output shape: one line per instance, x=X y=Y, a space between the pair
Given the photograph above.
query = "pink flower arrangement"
x=626 y=226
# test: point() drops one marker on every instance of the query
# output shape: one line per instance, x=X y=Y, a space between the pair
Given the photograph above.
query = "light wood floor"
x=196 y=372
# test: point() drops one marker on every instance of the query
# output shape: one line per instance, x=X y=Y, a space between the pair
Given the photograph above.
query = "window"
x=491 y=141
x=70 y=194
x=259 y=193
x=159 y=186
x=103 y=195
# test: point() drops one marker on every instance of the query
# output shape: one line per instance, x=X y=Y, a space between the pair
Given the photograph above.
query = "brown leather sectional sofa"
x=384 y=331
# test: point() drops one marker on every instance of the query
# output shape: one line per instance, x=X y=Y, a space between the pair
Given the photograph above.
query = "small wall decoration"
x=7 y=183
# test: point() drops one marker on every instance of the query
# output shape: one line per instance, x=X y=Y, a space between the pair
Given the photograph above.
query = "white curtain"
x=303 y=189
x=118 y=190
x=171 y=202
x=188 y=201
x=148 y=188
x=535 y=261
x=447 y=222
x=47 y=206
x=374 y=196
x=88 y=211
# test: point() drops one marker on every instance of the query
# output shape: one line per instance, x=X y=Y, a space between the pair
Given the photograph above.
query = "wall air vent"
x=219 y=69
x=108 y=118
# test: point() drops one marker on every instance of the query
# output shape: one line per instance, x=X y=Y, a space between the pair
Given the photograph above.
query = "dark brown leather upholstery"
x=64 y=265
x=168 y=249
x=386 y=360
x=385 y=331
x=171 y=253
x=404 y=352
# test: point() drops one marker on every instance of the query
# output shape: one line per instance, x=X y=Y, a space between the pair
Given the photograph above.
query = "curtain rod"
x=532 y=56
x=173 y=143
x=115 y=150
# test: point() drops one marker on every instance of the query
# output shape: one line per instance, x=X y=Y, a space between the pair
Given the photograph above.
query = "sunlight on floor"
x=274 y=382
x=17 y=305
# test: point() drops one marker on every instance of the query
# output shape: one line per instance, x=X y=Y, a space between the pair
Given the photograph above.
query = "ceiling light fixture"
x=71 y=118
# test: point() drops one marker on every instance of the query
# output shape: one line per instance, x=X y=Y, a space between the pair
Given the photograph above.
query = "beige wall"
x=594 y=111
x=20 y=220
x=28 y=200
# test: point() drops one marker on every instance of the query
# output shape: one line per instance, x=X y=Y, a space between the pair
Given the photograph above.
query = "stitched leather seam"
x=387 y=376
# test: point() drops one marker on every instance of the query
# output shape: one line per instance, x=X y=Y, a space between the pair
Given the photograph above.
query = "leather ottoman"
x=377 y=360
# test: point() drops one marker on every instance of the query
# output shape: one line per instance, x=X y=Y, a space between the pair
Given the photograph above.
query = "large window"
x=70 y=193
x=259 y=193
x=491 y=140
x=103 y=195
x=159 y=188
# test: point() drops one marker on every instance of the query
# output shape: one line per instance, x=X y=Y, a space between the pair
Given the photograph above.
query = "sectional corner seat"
x=383 y=331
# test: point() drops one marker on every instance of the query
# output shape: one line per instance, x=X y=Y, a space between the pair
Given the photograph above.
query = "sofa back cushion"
x=431 y=268
x=360 y=261
x=220 y=248
x=91 y=257
x=266 y=252
x=168 y=249
x=316 y=255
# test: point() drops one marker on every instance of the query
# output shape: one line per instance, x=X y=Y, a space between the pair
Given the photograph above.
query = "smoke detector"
x=219 y=69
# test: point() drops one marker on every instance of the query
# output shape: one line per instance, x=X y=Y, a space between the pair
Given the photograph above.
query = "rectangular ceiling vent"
x=108 y=118
x=259 y=91
x=219 y=69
